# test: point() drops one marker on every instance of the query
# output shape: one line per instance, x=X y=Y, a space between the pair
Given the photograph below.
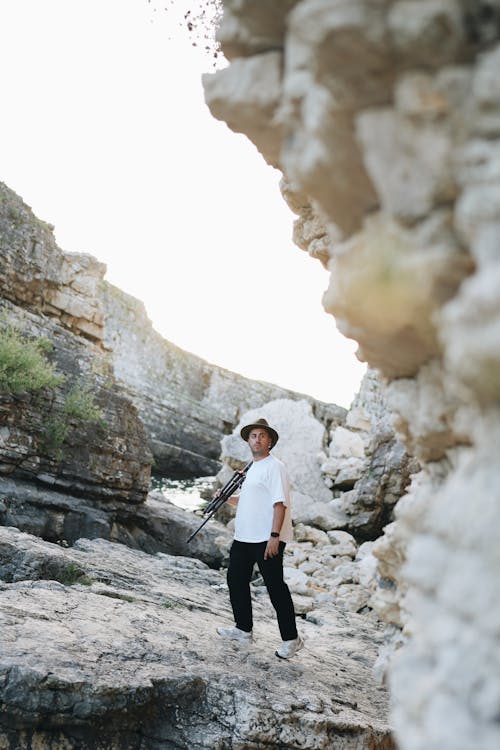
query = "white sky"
x=105 y=134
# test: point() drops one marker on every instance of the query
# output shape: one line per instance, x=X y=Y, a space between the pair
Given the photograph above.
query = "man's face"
x=260 y=442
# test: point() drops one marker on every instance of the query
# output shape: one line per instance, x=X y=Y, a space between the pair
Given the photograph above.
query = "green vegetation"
x=73 y=574
x=56 y=432
x=23 y=365
x=169 y=604
x=80 y=404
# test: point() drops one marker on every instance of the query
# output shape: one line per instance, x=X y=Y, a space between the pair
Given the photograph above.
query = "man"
x=262 y=527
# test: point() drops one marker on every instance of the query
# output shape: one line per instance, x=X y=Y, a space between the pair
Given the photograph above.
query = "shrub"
x=23 y=365
x=80 y=404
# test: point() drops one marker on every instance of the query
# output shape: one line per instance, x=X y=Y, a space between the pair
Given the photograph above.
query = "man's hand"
x=272 y=548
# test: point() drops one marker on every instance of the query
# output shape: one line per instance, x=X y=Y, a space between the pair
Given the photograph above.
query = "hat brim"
x=245 y=432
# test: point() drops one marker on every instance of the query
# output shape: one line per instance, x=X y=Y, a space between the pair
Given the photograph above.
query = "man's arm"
x=273 y=545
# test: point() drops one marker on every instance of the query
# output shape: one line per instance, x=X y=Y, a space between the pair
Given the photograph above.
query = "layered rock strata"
x=37 y=276
x=105 y=458
x=130 y=659
x=385 y=120
x=155 y=525
x=82 y=435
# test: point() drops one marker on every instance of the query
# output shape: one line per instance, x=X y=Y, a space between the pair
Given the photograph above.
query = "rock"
x=103 y=457
x=152 y=526
x=431 y=32
x=82 y=434
x=309 y=534
x=384 y=133
x=387 y=285
x=351 y=597
x=130 y=658
x=342 y=543
x=366 y=463
x=37 y=275
x=311 y=513
x=425 y=413
x=297 y=580
x=246 y=96
x=248 y=28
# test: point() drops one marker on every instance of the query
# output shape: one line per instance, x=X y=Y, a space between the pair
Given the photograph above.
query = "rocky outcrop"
x=186 y=404
x=385 y=120
x=367 y=467
x=43 y=440
x=130 y=659
x=155 y=525
x=82 y=434
x=37 y=276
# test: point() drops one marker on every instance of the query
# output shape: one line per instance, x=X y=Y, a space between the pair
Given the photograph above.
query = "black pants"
x=242 y=559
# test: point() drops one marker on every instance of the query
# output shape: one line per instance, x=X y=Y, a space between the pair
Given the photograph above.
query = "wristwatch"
x=275 y=534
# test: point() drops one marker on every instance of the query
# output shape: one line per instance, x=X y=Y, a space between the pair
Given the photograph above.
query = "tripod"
x=217 y=502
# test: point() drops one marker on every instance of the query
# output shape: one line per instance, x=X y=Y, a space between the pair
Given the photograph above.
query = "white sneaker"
x=235 y=634
x=289 y=648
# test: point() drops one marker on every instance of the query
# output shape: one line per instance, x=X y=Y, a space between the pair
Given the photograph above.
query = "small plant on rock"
x=73 y=574
x=80 y=404
x=23 y=364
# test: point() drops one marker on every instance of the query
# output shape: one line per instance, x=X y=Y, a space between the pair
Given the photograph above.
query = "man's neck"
x=260 y=457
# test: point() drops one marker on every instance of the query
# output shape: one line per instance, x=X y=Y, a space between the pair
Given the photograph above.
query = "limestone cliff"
x=101 y=337
x=384 y=117
x=83 y=435
x=187 y=405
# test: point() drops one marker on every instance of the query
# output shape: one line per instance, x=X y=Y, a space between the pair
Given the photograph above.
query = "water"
x=190 y=494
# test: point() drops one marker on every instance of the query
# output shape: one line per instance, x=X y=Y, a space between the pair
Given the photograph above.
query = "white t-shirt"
x=266 y=483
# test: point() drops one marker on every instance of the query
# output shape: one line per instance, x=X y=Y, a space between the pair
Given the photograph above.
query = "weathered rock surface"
x=366 y=464
x=39 y=441
x=390 y=114
x=130 y=659
x=155 y=525
x=35 y=274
